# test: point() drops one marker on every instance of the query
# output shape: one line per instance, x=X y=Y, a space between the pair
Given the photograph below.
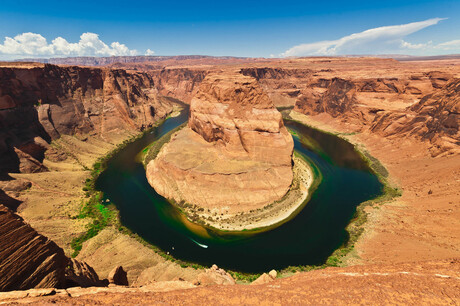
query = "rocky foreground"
x=423 y=283
x=234 y=156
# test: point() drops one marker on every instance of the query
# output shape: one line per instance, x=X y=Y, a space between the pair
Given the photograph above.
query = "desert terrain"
x=58 y=120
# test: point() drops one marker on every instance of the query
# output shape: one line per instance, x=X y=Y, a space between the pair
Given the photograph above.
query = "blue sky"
x=237 y=28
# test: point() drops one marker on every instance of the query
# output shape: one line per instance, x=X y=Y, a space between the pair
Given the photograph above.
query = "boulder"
x=214 y=276
x=118 y=276
x=80 y=274
x=263 y=279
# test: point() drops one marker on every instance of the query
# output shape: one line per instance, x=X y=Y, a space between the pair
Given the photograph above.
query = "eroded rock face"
x=337 y=99
x=40 y=104
x=235 y=112
x=30 y=260
x=27 y=259
x=435 y=118
x=181 y=83
x=235 y=154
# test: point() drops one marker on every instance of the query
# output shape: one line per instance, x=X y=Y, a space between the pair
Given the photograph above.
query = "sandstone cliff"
x=235 y=154
x=180 y=83
x=41 y=103
x=435 y=118
x=30 y=260
x=27 y=259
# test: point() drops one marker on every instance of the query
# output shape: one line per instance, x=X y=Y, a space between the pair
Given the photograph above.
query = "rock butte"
x=234 y=155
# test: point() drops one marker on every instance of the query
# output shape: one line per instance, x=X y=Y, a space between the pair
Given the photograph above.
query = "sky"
x=49 y=28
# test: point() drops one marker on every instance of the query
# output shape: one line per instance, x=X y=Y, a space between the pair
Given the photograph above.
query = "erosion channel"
x=308 y=238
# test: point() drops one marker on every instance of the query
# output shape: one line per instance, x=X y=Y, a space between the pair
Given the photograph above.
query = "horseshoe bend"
x=314 y=173
x=234 y=156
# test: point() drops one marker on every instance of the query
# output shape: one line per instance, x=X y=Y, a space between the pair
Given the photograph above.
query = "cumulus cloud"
x=387 y=39
x=35 y=45
x=149 y=52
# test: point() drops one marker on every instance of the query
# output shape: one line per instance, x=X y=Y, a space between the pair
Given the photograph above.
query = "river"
x=307 y=239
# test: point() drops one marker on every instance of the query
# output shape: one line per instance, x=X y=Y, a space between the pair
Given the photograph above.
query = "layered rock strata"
x=39 y=103
x=235 y=154
x=435 y=118
x=30 y=260
x=27 y=259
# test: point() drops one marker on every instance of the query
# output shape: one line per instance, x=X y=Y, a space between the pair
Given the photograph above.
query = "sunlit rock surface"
x=235 y=154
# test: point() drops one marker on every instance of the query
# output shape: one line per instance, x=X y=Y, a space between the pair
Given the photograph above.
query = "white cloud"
x=408 y=45
x=449 y=45
x=149 y=52
x=35 y=45
x=387 y=39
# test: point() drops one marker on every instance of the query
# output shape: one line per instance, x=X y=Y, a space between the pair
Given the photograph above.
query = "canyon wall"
x=180 y=83
x=41 y=103
x=435 y=118
x=381 y=96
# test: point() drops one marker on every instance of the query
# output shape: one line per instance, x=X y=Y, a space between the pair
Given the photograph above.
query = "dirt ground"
x=422 y=283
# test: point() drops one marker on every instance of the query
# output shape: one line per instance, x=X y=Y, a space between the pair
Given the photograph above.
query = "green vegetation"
x=102 y=213
x=102 y=216
x=244 y=277
x=294 y=269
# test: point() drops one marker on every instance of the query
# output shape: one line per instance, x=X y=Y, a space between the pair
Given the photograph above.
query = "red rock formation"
x=118 y=276
x=236 y=112
x=421 y=282
x=235 y=154
x=27 y=259
x=30 y=260
x=41 y=103
x=338 y=98
x=435 y=118
x=80 y=274
x=180 y=83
